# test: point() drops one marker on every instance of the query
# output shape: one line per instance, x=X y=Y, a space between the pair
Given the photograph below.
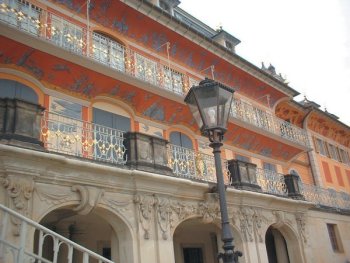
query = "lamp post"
x=210 y=104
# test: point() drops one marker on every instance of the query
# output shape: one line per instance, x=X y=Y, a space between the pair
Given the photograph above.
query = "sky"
x=308 y=42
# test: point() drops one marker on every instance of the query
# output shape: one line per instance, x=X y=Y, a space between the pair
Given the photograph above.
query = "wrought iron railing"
x=27 y=17
x=266 y=121
x=325 y=197
x=271 y=182
x=80 y=138
x=190 y=164
x=14 y=247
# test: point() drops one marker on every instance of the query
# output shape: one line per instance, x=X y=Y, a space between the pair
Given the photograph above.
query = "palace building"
x=101 y=159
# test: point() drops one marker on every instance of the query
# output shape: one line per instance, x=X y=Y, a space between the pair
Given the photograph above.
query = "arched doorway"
x=199 y=242
x=99 y=231
x=276 y=246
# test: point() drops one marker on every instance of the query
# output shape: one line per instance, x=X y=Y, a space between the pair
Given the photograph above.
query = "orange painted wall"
x=335 y=176
x=125 y=21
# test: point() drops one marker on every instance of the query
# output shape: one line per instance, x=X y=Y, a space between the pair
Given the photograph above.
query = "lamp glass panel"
x=207 y=103
x=224 y=105
x=191 y=102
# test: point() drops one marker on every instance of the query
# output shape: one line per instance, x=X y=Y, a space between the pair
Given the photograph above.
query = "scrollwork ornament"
x=145 y=206
x=245 y=215
x=301 y=223
x=20 y=190
x=209 y=209
x=163 y=212
x=258 y=221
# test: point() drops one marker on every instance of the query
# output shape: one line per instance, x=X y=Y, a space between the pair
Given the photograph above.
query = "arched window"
x=180 y=139
x=293 y=172
x=108 y=51
x=111 y=120
x=15 y=90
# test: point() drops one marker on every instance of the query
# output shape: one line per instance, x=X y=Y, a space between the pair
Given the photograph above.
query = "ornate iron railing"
x=42 y=24
x=190 y=164
x=325 y=197
x=266 y=121
x=271 y=182
x=79 y=138
x=14 y=247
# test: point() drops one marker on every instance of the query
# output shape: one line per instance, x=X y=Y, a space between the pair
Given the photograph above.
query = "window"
x=173 y=80
x=65 y=124
x=108 y=136
x=228 y=44
x=242 y=158
x=320 y=147
x=107 y=253
x=193 y=255
x=165 y=6
x=344 y=155
x=270 y=167
x=146 y=69
x=180 y=139
x=334 y=237
x=15 y=90
x=111 y=120
x=23 y=15
x=333 y=152
x=108 y=51
x=67 y=35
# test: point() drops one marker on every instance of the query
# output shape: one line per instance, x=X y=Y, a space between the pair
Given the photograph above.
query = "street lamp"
x=210 y=104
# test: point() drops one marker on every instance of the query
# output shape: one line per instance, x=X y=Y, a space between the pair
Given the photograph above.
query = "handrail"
x=20 y=251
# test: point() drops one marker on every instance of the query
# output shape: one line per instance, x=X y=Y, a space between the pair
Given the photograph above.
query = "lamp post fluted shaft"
x=229 y=256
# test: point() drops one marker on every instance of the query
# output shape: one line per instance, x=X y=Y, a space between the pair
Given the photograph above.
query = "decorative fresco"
x=317 y=122
x=126 y=22
x=75 y=80
x=286 y=111
x=329 y=128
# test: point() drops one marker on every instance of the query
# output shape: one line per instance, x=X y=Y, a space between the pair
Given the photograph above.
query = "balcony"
x=266 y=121
x=25 y=125
x=28 y=18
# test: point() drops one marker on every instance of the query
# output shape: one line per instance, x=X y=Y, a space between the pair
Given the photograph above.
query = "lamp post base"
x=230 y=257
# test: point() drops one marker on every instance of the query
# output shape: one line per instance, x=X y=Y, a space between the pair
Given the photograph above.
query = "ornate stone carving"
x=118 y=203
x=54 y=196
x=145 y=205
x=258 y=221
x=163 y=213
x=245 y=215
x=301 y=223
x=280 y=218
x=181 y=211
x=89 y=198
x=209 y=209
x=20 y=190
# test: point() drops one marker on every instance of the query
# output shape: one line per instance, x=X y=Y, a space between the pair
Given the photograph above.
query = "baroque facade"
x=100 y=154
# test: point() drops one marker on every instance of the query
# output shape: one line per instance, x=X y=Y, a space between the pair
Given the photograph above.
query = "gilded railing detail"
x=79 y=138
x=187 y=163
x=271 y=182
